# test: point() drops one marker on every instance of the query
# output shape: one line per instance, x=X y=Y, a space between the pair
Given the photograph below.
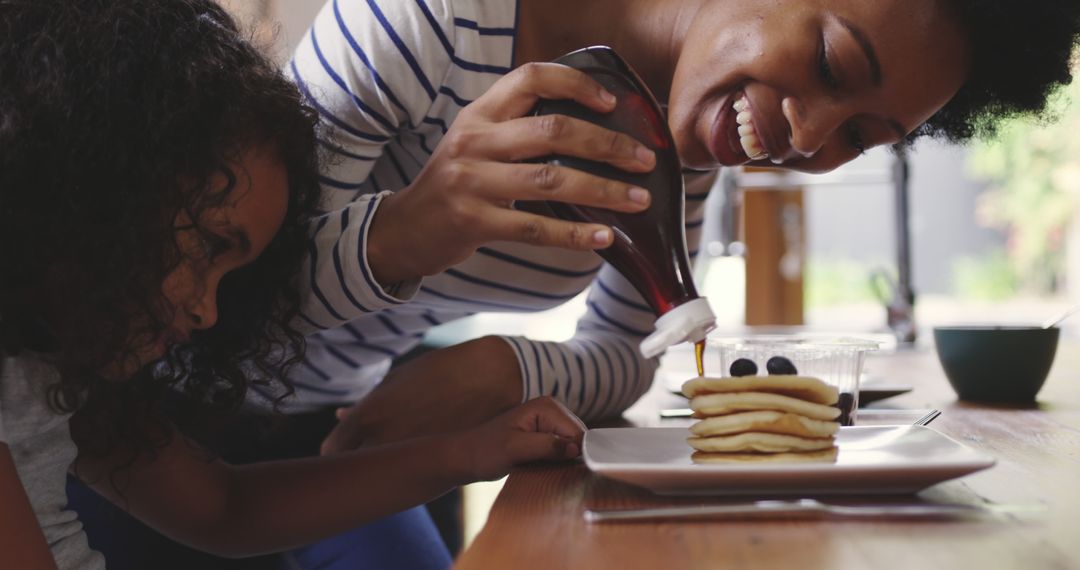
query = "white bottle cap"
x=689 y=322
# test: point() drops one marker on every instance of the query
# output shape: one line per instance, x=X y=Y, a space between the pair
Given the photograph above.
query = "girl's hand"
x=538 y=430
x=464 y=196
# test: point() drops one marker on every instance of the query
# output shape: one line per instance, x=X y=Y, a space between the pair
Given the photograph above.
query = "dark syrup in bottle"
x=649 y=247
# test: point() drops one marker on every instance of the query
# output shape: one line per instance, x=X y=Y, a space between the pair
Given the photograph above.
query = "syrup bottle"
x=649 y=247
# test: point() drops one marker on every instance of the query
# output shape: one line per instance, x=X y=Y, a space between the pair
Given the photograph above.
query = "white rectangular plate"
x=872 y=460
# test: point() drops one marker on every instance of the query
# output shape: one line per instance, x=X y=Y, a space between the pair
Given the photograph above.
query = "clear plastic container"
x=837 y=362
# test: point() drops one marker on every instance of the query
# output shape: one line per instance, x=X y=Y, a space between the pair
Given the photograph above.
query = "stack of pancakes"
x=763 y=418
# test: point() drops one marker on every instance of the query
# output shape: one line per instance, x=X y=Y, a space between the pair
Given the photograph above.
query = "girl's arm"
x=22 y=545
x=247 y=510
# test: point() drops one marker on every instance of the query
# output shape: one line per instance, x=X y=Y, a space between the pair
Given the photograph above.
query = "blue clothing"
x=407 y=540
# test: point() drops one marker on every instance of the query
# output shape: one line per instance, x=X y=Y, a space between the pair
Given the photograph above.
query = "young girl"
x=157 y=179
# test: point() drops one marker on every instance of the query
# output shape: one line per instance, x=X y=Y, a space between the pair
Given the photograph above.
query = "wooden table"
x=537 y=519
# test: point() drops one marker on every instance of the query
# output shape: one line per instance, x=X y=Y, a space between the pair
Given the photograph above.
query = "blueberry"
x=780 y=365
x=743 y=367
x=846 y=404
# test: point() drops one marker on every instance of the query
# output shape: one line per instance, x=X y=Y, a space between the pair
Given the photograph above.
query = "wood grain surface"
x=537 y=521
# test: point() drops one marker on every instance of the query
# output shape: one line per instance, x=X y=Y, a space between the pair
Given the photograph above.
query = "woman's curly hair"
x=1021 y=54
x=116 y=116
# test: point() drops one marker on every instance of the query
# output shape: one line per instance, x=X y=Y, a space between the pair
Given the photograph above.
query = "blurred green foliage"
x=833 y=281
x=986 y=278
x=1034 y=170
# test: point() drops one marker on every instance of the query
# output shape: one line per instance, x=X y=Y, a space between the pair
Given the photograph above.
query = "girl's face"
x=810 y=84
x=229 y=236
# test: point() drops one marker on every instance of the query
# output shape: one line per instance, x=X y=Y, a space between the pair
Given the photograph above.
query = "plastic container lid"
x=689 y=322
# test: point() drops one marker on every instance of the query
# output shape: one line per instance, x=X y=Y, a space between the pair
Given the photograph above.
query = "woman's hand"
x=538 y=430
x=464 y=196
x=442 y=391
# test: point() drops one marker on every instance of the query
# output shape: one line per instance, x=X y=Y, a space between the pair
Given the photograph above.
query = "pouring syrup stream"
x=699 y=353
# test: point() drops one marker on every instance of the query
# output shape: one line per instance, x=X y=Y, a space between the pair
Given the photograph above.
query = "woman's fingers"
x=512 y=225
x=504 y=183
x=516 y=93
x=463 y=196
x=535 y=137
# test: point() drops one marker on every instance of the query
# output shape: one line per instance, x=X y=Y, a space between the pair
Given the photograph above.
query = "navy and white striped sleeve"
x=367 y=67
x=371 y=68
x=337 y=276
x=600 y=372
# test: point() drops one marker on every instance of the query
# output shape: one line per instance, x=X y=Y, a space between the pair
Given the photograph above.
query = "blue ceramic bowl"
x=996 y=363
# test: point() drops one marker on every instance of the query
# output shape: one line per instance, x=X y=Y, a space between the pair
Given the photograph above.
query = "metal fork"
x=930 y=415
x=808 y=508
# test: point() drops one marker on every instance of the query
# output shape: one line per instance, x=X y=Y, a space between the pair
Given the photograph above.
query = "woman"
x=157 y=182
x=428 y=103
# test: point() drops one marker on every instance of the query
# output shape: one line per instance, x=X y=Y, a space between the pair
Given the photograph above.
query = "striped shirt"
x=388 y=77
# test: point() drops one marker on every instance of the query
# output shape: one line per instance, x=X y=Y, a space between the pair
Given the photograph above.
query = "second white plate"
x=872 y=460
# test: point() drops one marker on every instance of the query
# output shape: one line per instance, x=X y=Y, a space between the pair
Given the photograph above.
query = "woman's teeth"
x=748 y=137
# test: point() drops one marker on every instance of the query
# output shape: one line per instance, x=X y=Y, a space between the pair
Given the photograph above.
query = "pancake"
x=727 y=403
x=766 y=421
x=822 y=456
x=758 y=442
x=799 y=387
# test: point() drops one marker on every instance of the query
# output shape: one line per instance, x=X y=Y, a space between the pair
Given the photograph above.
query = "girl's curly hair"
x=115 y=116
x=1021 y=54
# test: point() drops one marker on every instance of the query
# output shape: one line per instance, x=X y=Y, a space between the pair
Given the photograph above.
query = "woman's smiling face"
x=810 y=84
